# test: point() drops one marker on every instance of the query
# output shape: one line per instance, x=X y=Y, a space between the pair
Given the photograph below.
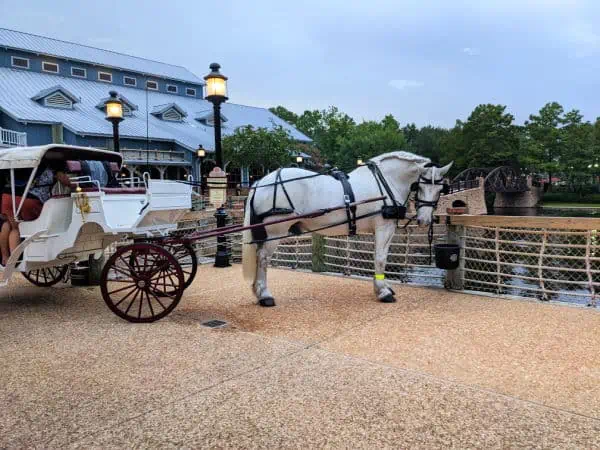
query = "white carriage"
x=140 y=282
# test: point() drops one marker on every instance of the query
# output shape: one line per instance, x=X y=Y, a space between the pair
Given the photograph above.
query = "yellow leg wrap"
x=380 y=276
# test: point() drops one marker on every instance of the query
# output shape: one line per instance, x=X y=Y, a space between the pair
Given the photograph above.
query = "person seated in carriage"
x=50 y=174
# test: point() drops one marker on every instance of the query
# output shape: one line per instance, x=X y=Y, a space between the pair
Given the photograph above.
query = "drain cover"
x=214 y=323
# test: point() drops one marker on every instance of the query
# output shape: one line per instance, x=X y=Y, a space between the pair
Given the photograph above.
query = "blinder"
x=414 y=187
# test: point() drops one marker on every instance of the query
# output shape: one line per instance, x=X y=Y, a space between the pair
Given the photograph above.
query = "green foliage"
x=258 y=148
x=571 y=197
x=369 y=139
x=552 y=142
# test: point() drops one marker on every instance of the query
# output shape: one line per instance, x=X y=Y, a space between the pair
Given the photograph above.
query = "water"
x=548 y=212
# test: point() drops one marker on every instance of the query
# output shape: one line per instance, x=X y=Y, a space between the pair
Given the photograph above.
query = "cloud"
x=405 y=84
x=471 y=51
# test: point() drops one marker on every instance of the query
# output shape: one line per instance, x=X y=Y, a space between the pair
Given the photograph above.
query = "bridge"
x=513 y=188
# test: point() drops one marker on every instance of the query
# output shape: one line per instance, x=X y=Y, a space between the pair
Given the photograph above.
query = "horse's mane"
x=406 y=156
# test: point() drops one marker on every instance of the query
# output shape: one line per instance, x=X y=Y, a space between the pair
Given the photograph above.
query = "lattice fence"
x=559 y=265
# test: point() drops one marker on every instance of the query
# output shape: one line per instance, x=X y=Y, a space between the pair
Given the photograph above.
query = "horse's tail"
x=248 y=250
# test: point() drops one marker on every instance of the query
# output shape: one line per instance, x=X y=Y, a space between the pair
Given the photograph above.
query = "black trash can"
x=447 y=256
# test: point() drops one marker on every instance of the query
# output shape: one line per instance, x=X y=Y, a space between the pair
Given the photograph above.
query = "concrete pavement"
x=329 y=367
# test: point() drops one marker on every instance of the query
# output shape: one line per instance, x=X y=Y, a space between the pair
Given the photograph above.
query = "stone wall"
x=527 y=199
x=474 y=199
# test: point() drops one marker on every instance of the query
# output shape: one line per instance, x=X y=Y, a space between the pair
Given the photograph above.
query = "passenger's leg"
x=4 y=245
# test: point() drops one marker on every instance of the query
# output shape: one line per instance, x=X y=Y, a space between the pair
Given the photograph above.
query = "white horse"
x=401 y=170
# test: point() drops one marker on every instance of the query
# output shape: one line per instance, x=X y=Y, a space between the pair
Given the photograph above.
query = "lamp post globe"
x=216 y=93
x=114 y=114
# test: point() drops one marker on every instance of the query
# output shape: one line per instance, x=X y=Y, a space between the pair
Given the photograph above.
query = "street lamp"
x=299 y=160
x=359 y=162
x=114 y=114
x=216 y=93
x=201 y=153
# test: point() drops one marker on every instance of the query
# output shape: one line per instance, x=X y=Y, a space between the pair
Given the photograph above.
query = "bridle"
x=419 y=203
x=414 y=187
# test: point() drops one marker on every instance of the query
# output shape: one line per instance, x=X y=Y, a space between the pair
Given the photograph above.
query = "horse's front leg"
x=263 y=256
x=383 y=238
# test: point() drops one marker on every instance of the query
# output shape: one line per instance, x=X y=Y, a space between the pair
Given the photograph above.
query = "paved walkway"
x=329 y=366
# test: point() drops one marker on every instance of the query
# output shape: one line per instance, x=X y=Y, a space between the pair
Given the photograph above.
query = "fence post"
x=318 y=253
x=455 y=278
x=222 y=256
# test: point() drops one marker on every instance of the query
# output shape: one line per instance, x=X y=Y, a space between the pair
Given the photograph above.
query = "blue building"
x=54 y=91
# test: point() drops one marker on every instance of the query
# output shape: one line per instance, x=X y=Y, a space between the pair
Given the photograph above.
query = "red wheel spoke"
x=122 y=289
x=132 y=301
x=158 y=300
x=127 y=296
x=118 y=269
x=150 y=304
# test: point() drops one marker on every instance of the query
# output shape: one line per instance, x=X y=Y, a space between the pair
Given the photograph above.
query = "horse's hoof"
x=388 y=299
x=267 y=302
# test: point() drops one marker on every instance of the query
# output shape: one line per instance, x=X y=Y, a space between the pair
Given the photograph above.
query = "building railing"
x=463 y=185
x=152 y=155
x=10 y=138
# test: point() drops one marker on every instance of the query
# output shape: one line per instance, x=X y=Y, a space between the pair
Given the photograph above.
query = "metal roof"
x=18 y=86
x=77 y=52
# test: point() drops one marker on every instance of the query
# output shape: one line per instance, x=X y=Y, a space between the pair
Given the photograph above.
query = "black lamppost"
x=299 y=160
x=114 y=114
x=201 y=153
x=216 y=93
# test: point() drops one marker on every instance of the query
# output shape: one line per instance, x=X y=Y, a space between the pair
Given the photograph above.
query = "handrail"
x=561 y=223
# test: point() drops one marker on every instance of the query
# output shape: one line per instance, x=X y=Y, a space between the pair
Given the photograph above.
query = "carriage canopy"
x=30 y=157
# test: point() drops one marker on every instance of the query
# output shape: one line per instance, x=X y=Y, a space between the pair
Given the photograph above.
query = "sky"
x=424 y=61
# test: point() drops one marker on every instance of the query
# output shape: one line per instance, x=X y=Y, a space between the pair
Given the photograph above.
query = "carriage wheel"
x=47 y=276
x=142 y=282
x=185 y=255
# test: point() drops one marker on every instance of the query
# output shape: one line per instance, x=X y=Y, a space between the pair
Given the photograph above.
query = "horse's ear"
x=423 y=167
x=444 y=170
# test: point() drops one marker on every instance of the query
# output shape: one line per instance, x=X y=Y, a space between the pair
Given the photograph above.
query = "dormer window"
x=78 y=72
x=208 y=118
x=129 y=81
x=172 y=88
x=190 y=91
x=128 y=107
x=152 y=85
x=105 y=76
x=56 y=97
x=171 y=112
x=21 y=63
x=49 y=67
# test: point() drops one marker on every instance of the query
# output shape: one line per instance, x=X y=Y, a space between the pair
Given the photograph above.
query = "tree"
x=258 y=148
x=285 y=114
x=325 y=128
x=490 y=137
x=369 y=139
x=544 y=139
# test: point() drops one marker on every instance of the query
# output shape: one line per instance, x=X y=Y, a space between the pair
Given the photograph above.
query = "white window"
x=105 y=76
x=78 y=72
x=152 y=85
x=127 y=110
x=21 y=63
x=190 y=91
x=49 y=67
x=172 y=88
x=129 y=81
x=172 y=114
x=58 y=100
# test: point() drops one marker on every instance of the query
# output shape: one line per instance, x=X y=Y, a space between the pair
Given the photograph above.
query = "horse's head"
x=428 y=189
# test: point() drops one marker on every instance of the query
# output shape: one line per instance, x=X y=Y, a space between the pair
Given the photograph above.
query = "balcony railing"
x=10 y=138
x=153 y=155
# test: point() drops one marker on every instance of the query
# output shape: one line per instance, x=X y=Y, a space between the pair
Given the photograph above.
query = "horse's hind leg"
x=263 y=256
x=383 y=238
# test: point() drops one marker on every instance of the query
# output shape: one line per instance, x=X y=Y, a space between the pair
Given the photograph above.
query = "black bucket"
x=447 y=256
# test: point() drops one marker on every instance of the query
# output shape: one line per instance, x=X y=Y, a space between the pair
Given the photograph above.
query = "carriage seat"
x=74 y=167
